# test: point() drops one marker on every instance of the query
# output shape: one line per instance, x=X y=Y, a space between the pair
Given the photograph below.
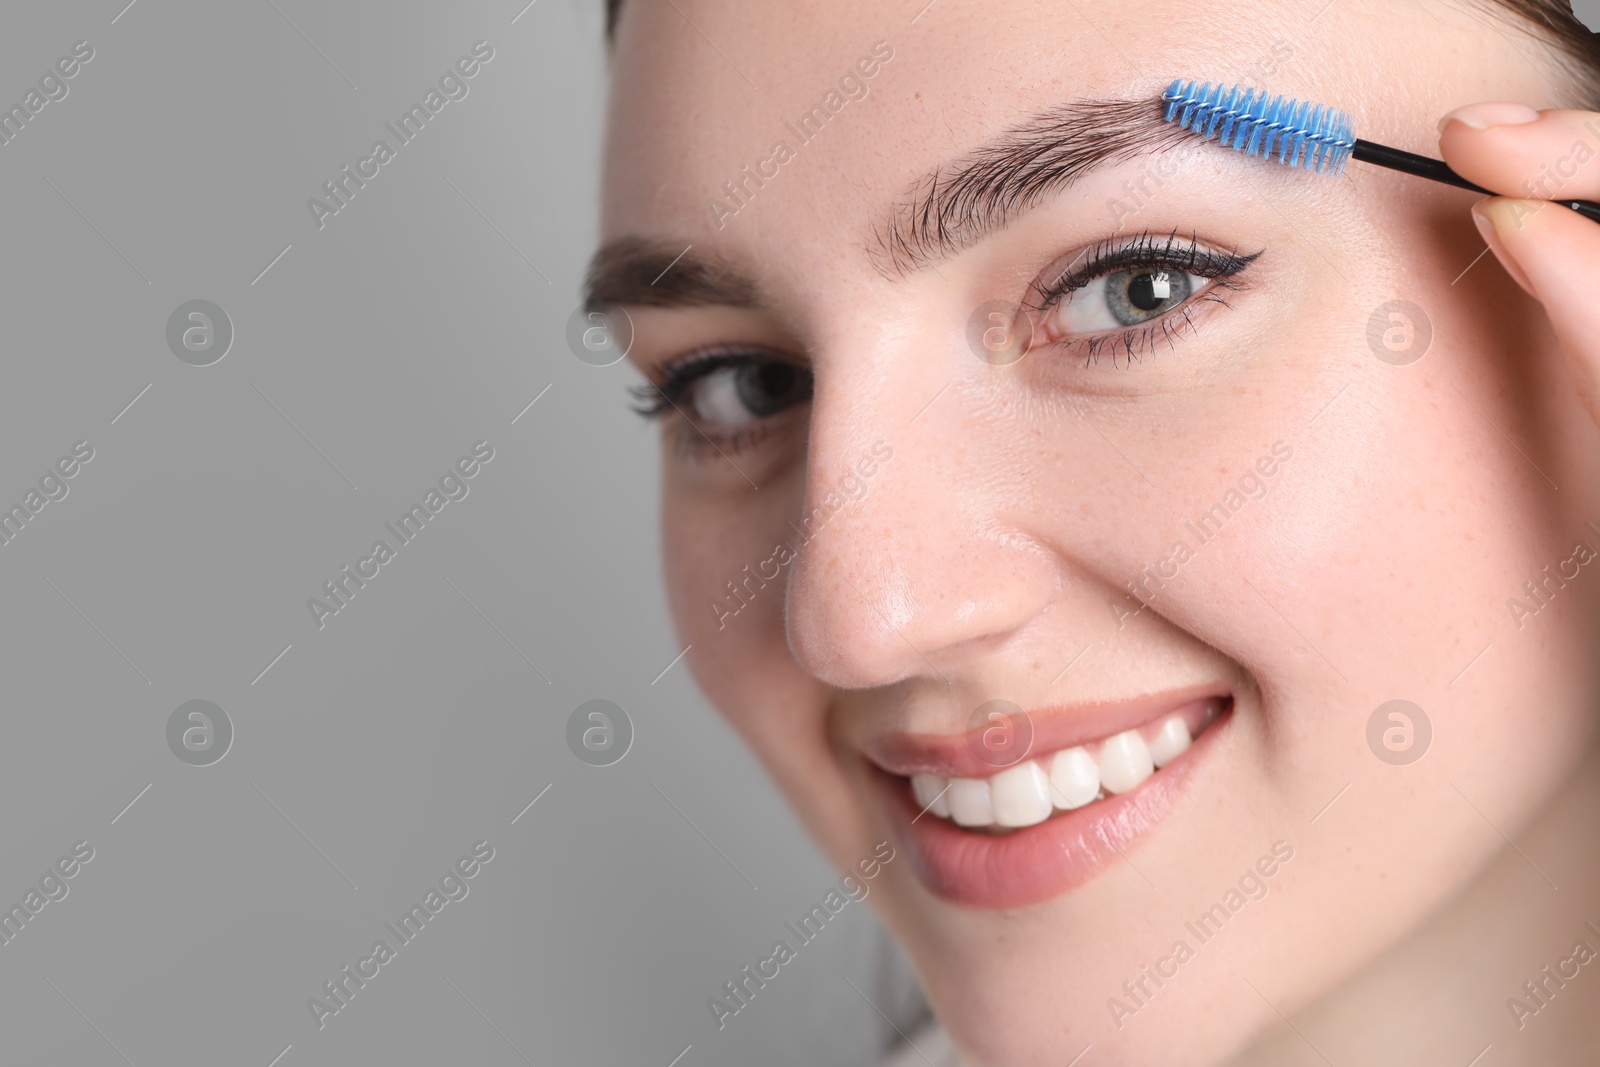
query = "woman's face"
x=1226 y=479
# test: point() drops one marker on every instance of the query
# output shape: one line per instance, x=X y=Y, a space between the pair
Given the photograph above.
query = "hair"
x=1551 y=22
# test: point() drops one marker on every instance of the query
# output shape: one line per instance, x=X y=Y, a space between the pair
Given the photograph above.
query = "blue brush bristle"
x=1294 y=132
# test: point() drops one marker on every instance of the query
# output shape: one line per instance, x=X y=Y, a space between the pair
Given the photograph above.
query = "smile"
x=1034 y=790
x=1096 y=780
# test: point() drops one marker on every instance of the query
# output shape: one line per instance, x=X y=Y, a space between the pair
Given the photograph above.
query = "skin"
x=996 y=543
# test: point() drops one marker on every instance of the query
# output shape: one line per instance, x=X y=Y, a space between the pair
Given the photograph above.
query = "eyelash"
x=657 y=399
x=1147 y=250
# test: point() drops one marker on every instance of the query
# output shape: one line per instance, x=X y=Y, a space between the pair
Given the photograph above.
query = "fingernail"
x=1489 y=216
x=1486 y=116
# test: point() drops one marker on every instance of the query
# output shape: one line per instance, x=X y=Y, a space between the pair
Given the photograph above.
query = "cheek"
x=743 y=664
x=715 y=552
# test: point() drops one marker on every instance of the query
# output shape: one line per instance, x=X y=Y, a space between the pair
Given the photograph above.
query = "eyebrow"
x=648 y=273
x=946 y=211
x=959 y=203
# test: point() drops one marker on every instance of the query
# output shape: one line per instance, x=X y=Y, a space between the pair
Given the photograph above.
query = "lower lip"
x=1039 y=862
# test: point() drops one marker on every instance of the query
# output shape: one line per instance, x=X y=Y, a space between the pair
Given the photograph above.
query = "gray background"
x=424 y=317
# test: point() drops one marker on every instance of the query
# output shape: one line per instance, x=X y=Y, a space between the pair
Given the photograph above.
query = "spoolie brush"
x=1298 y=133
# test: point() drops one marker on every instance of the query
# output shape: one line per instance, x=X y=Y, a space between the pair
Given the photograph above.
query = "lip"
x=1043 y=861
x=958 y=755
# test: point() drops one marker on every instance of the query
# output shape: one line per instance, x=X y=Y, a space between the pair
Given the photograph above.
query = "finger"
x=1517 y=151
x=1551 y=251
x=1525 y=154
x=1554 y=253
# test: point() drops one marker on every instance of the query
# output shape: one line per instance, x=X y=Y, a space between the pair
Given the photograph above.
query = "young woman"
x=1188 y=564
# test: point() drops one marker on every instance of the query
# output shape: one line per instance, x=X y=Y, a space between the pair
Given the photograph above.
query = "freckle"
x=916 y=95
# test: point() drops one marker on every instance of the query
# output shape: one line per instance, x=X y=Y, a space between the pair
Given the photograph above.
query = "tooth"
x=1020 y=795
x=930 y=794
x=1074 y=779
x=1172 y=737
x=1124 y=762
x=969 y=802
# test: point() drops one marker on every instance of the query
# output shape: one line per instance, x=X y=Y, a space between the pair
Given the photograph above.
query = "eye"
x=1123 y=297
x=736 y=394
x=1126 y=298
x=725 y=394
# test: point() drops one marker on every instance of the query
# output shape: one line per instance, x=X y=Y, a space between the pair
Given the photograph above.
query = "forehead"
x=754 y=132
x=703 y=88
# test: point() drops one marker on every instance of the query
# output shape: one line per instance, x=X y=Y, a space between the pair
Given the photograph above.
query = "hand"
x=1552 y=252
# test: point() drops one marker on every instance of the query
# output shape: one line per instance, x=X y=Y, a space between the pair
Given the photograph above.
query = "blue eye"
x=1124 y=298
x=1121 y=299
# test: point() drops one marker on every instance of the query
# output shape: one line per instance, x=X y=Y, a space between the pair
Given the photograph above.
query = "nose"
x=917 y=551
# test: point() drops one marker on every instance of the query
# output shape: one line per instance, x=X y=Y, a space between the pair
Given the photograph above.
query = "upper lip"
x=1054 y=727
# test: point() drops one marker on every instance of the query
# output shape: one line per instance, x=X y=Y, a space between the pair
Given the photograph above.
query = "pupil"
x=1142 y=293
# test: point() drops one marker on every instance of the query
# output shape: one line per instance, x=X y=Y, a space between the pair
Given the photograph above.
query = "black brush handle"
x=1437 y=170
